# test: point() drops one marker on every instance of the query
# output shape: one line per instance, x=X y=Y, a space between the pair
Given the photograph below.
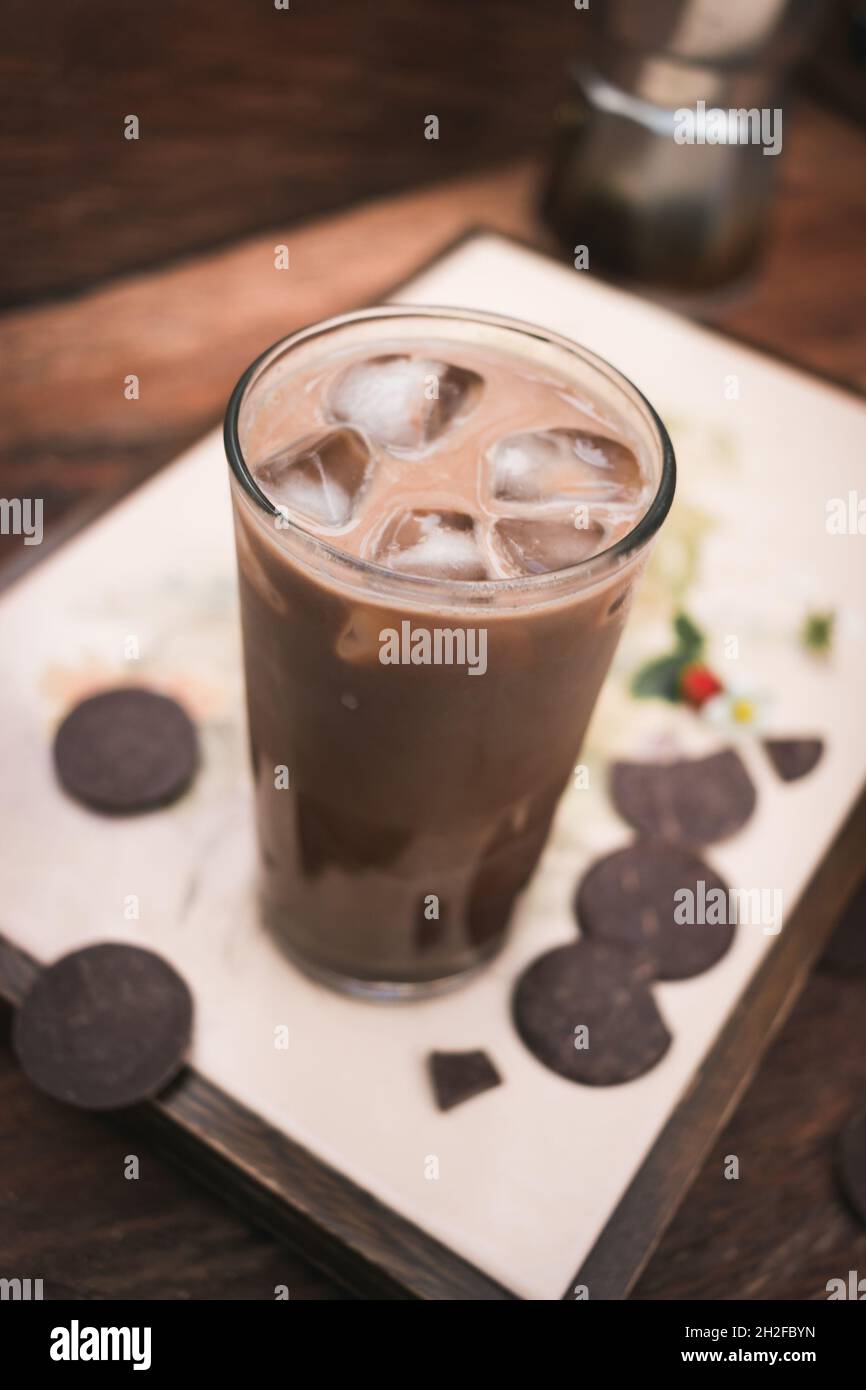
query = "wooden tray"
x=284 y=1178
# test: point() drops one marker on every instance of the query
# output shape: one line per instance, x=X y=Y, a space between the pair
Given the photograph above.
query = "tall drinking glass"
x=402 y=800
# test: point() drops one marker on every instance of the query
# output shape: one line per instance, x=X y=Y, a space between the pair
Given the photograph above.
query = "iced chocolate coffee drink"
x=440 y=520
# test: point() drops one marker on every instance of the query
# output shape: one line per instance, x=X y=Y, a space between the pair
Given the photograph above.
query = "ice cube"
x=433 y=544
x=403 y=403
x=537 y=545
x=557 y=465
x=320 y=478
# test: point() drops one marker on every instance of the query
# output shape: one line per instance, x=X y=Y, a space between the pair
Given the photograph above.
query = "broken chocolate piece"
x=793 y=758
x=458 y=1076
x=694 y=801
x=661 y=899
x=585 y=1011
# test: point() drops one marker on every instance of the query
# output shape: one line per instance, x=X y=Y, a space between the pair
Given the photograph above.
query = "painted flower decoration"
x=662 y=677
x=684 y=677
x=737 y=709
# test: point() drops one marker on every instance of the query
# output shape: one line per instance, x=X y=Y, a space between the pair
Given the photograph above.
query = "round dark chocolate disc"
x=585 y=1011
x=662 y=900
x=693 y=801
x=852 y=1162
x=126 y=750
x=104 y=1027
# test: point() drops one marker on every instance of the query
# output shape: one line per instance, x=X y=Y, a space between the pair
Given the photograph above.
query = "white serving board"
x=529 y=1173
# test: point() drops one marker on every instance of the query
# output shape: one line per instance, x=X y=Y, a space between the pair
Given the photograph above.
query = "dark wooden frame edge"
x=342 y=1228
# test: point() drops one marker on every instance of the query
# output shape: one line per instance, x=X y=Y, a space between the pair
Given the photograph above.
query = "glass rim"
x=458 y=589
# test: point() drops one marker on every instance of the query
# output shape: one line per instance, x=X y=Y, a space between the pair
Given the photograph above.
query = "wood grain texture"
x=68 y=435
x=783 y=1228
x=68 y=1215
x=346 y=1231
x=691 y=1133
x=67 y=432
x=249 y=117
x=808 y=300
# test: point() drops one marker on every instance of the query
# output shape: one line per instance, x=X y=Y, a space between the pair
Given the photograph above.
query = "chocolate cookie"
x=126 y=750
x=694 y=801
x=457 y=1076
x=585 y=1011
x=104 y=1027
x=793 y=758
x=655 y=897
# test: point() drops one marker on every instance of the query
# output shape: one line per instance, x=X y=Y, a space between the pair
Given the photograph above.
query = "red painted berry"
x=698 y=684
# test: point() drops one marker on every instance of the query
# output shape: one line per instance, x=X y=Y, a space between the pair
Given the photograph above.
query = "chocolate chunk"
x=694 y=801
x=126 y=750
x=458 y=1076
x=846 y=949
x=585 y=1011
x=851 y=1162
x=104 y=1027
x=794 y=757
x=629 y=899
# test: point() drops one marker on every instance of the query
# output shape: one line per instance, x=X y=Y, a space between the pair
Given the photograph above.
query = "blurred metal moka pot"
x=665 y=163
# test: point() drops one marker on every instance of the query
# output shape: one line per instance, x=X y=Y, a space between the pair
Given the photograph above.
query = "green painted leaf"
x=659 y=679
x=816 y=633
x=690 y=639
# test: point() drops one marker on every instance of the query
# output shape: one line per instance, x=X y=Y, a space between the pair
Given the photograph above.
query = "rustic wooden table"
x=68 y=435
